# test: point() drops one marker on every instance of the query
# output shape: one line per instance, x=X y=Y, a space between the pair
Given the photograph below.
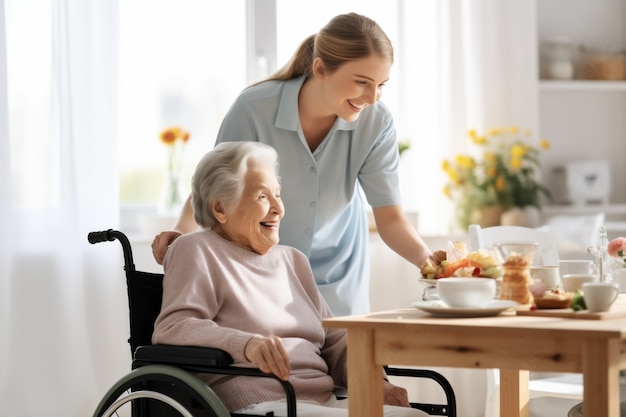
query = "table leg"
x=365 y=378
x=601 y=377
x=514 y=392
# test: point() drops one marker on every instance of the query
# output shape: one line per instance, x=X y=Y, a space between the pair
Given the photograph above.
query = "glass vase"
x=171 y=198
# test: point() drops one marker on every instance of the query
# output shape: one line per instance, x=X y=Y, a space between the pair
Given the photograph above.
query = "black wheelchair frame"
x=162 y=382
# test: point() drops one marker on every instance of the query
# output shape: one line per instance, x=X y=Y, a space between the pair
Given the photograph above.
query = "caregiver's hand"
x=161 y=242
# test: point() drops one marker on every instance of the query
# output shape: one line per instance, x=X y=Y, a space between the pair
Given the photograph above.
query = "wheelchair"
x=163 y=381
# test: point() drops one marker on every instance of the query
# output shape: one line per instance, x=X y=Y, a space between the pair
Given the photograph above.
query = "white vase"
x=512 y=217
x=528 y=216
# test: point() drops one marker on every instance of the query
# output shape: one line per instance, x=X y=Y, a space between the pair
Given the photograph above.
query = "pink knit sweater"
x=217 y=294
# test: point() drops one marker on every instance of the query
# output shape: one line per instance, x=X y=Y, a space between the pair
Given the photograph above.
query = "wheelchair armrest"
x=206 y=360
x=182 y=356
x=433 y=409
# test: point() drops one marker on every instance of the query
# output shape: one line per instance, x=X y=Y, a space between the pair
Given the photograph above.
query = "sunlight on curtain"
x=62 y=300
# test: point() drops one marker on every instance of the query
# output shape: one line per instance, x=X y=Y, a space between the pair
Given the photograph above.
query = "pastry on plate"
x=553 y=299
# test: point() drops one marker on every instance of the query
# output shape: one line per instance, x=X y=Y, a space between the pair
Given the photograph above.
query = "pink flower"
x=617 y=247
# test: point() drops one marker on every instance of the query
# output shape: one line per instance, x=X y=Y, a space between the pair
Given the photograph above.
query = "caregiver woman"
x=322 y=113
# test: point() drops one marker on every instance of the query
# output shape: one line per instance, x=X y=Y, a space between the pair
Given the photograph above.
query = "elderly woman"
x=231 y=286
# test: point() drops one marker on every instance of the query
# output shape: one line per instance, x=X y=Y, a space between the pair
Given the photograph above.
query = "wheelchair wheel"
x=161 y=391
x=144 y=395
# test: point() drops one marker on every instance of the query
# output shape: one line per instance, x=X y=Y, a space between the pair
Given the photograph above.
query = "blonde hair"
x=220 y=174
x=347 y=37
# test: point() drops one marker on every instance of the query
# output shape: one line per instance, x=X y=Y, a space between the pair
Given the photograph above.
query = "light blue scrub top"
x=325 y=214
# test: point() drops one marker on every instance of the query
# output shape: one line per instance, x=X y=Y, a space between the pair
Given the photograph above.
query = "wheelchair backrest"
x=145 y=290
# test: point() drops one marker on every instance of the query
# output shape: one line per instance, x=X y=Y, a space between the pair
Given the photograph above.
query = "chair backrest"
x=484 y=238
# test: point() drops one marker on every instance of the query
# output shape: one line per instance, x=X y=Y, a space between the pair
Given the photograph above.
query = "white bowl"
x=458 y=292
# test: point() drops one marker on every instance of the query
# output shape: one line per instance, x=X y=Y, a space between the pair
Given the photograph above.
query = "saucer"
x=437 y=308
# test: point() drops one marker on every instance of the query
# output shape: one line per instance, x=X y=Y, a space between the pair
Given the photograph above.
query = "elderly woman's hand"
x=269 y=355
x=161 y=242
x=395 y=395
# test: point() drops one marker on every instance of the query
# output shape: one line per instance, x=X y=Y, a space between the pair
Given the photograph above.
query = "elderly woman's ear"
x=218 y=211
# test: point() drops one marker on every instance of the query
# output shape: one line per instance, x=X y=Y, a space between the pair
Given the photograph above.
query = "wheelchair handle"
x=102 y=236
x=110 y=235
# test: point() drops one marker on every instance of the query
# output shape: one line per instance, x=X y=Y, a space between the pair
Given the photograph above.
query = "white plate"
x=427 y=281
x=437 y=308
x=433 y=282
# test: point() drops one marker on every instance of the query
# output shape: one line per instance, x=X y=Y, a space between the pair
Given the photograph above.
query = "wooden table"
x=512 y=343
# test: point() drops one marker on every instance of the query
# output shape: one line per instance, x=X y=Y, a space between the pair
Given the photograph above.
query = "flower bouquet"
x=500 y=172
x=171 y=200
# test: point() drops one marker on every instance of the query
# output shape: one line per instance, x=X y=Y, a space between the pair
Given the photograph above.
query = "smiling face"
x=253 y=223
x=353 y=86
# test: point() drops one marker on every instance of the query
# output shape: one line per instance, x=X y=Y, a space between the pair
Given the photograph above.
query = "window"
x=181 y=63
x=188 y=59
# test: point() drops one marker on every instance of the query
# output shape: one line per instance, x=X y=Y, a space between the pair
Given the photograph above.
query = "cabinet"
x=585 y=119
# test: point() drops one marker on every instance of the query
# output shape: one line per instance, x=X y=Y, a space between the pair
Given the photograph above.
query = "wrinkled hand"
x=395 y=395
x=269 y=355
x=437 y=257
x=161 y=242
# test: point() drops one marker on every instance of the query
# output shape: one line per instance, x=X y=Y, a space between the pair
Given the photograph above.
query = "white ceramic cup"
x=577 y=266
x=599 y=296
x=549 y=275
x=574 y=282
x=619 y=278
x=466 y=292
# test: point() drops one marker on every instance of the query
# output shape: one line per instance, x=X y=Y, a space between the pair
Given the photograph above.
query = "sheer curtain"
x=481 y=70
x=61 y=299
x=476 y=67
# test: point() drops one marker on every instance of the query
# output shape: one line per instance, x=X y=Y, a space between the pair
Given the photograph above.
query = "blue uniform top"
x=325 y=214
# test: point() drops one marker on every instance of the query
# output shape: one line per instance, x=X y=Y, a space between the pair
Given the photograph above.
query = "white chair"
x=484 y=238
x=548 y=392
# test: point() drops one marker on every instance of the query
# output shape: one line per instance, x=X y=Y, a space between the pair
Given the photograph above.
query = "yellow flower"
x=479 y=140
x=516 y=163
x=544 y=144
x=514 y=130
x=170 y=135
x=518 y=151
x=453 y=176
x=465 y=161
x=445 y=165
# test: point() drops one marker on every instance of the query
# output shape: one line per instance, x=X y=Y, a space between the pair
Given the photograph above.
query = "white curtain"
x=476 y=69
x=484 y=74
x=62 y=301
